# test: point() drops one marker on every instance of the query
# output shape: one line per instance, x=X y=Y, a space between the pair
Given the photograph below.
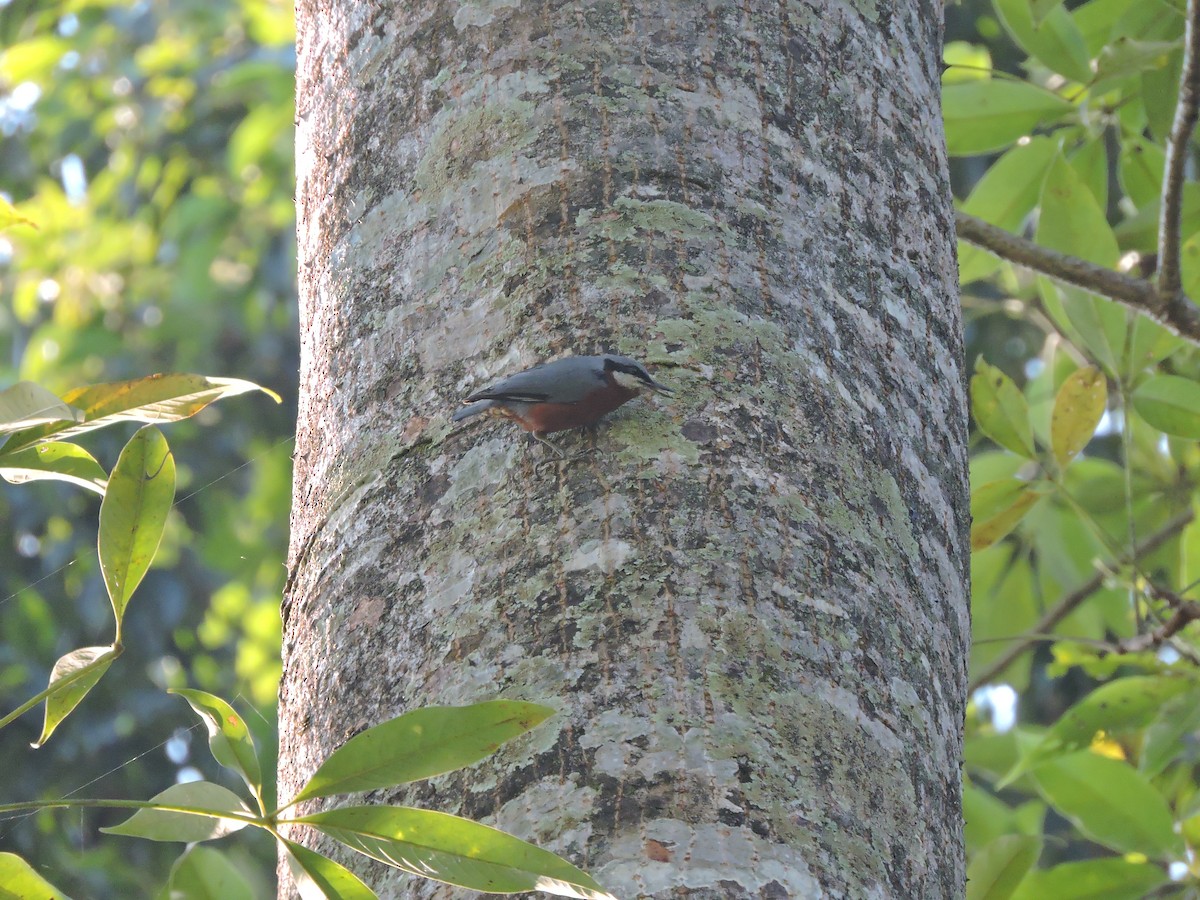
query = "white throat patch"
x=627 y=381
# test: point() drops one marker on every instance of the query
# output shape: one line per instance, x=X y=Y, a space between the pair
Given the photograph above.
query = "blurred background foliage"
x=151 y=144
x=1082 y=752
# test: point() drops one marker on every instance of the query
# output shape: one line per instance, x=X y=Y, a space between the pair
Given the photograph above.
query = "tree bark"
x=749 y=602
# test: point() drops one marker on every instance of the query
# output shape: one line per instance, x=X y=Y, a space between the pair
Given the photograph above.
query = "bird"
x=563 y=394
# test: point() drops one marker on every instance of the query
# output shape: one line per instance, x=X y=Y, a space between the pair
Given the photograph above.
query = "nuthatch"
x=566 y=393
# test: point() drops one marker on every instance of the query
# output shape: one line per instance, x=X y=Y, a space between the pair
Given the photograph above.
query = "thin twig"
x=1186 y=612
x=1067 y=604
x=1170 y=281
x=1179 y=314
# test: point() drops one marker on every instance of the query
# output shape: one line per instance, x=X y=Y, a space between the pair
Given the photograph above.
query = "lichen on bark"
x=749 y=600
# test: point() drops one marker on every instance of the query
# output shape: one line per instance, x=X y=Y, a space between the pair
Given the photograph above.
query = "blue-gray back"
x=566 y=380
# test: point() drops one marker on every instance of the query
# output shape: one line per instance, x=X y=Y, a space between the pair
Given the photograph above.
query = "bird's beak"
x=660 y=388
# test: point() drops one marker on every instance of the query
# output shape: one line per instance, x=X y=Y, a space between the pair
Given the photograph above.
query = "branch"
x=1186 y=612
x=1067 y=604
x=1170 y=279
x=1177 y=313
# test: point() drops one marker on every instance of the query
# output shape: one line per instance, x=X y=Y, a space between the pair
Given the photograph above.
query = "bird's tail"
x=472 y=409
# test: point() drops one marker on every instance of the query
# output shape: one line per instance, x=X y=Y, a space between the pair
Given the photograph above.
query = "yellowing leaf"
x=19 y=879
x=153 y=400
x=25 y=405
x=1077 y=411
x=9 y=216
x=996 y=508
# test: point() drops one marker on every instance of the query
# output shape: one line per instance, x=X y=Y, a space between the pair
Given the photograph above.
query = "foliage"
x=1084 y=469
x=138 y=495
x=146 y=172
x=428 y=844
x=147 y=225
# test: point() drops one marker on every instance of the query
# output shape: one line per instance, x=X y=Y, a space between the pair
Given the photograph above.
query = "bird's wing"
x=562 y=383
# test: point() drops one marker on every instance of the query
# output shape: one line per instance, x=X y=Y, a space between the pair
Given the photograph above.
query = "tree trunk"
x=750 y=601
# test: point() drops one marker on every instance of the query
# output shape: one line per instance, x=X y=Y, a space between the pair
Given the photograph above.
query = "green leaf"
x=1141 y=170
x=996 y=870
x=1054 y=40
x=1150 y=345
x=1077 y=411
x=318 y=877
x=228 y=737
x=134 y=514
x=1122 y=705
x=1160 y=95
x=1000 y=409
x=1150 y=20
x=260 y=129
x=1072 y=222
x=1090 y=163
x=991 y=754
x=1068 y=655
x=1189 y=554
x=965 y=61
x=986 y=116
x=19 y=880
x=985 y=818
x=996 y=508
x=155 y=399
x=1175 y=721
x=454 y=850
x=33 y=59
x=1096 y=20
x=206 y=823
x=1093 y=879
x=1005 y=196
x=26 y=405
x=1171 y=404
x=992 y=465
x=56 y=461
x=70 y=680
x=1140 y=231
x=421 y=744
x=1043 y=8
x=204 y=873
x=1094 y=323
x=1126 y=56
x=1004 y=603
x=1110 y=803
x=1190 y=265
